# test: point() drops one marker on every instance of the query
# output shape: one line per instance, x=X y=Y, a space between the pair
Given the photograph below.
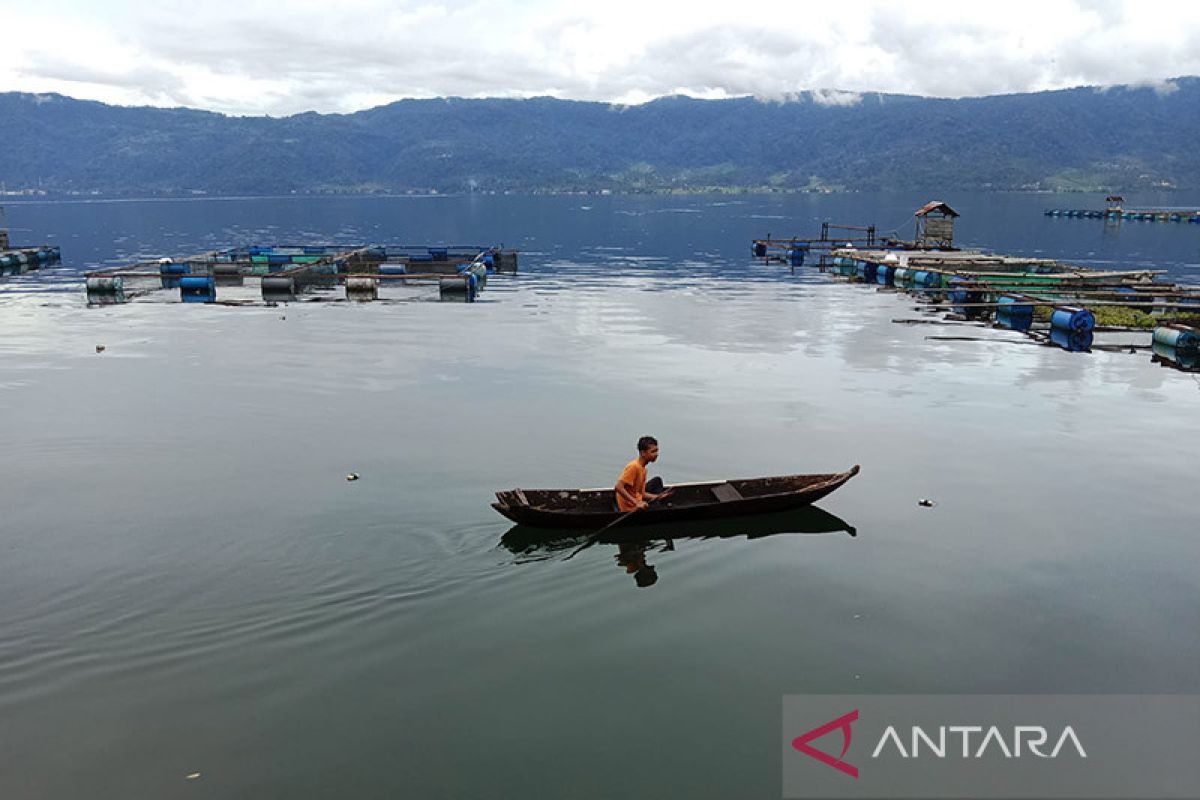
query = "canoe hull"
x=593 y=509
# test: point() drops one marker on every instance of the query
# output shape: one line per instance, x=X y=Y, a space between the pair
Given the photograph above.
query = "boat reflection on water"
x=633 y=544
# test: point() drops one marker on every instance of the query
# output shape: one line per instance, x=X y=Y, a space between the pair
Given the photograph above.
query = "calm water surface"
x=189 y=584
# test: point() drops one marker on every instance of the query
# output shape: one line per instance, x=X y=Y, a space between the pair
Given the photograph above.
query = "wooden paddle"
x=595 y=537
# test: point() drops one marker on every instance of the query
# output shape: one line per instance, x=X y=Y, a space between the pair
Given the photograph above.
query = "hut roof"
x=935 y=205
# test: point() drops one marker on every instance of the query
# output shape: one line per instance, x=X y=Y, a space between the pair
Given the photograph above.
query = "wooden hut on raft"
x=935 y=226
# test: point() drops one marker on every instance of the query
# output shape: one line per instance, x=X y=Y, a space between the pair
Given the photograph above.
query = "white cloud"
x=832 y=97
x=257 y=57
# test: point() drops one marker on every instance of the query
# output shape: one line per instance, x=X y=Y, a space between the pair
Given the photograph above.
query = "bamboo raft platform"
x=293 y=273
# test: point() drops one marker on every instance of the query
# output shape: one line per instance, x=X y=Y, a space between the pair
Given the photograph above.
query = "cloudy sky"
x=257 y=57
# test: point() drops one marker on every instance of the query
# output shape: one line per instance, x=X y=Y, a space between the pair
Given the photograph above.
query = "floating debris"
x=925 y=502
x=353 y=476
x=99 y=348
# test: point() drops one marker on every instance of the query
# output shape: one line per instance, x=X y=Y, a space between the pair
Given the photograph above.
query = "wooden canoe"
x=595 y=508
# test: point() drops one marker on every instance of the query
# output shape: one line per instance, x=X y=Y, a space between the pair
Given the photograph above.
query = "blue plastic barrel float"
x=489 y=261
x=1015 y=312
x=885 y=274
x=1179 y=337
x=392 y=269
x=796 y=254
x=227 y=274
x=866 y=270
x=1070 y=340
x=477 y=276
x=198 y=289
x=961 y=296
x=901 y=276
x=104 y=291
x=362 y=289
x=170 y=273
x=439 y=253
x=1073 y=318
x=277 y=261
x=456 y=288
x=759 y=249
x=1132 y=294
x=1185 y=359
x=470 y=281
x=278 y=289
x=927 y=279
x=843 y=265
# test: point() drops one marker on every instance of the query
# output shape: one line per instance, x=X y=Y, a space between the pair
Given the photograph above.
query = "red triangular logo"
x=801 y=743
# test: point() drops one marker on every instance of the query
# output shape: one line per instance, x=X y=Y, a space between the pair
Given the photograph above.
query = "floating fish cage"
x=285 y=274
x=1188 y=215
x=1052 y=302
x=24 y=259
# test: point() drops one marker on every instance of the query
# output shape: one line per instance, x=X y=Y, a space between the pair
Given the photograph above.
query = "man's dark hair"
x=645 y=443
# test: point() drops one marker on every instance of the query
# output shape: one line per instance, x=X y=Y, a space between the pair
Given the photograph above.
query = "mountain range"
x=1117 y=138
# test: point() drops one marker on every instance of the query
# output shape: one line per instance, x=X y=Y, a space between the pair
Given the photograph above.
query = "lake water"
x=189 y=584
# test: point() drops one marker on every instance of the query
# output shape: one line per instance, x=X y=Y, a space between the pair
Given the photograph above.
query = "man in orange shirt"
x=633 y=493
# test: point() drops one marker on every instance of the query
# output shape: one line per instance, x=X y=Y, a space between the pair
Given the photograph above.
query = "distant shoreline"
x=15 y=200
